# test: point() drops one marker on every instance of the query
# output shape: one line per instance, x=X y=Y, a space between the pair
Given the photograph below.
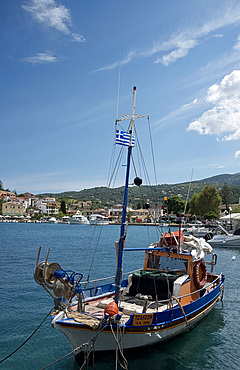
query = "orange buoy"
x=111 y=309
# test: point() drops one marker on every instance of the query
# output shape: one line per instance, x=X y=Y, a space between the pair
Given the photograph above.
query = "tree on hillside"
x=175 y=204
x=225 y=194
x=1 y=185
x=209 y=202
x=63 y=207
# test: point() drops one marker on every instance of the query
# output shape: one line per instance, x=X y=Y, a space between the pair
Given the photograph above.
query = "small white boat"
x=96 y=219
x=223 y=238
x=79 y=219
x=52 y=220
x=197 y=231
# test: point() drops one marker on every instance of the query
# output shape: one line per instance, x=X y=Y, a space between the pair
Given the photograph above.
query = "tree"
x=63 y=207
x=175 y=204
x=1 y=185
x=193 y=203
x=236 y=209
x=225 y=194
x=129 y=215
x=209 y=201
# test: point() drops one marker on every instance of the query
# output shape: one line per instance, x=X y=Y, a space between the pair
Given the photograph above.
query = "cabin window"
x=166 y=263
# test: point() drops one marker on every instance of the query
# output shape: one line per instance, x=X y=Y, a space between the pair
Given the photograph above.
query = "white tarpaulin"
x=232 y=216
x=198 y=247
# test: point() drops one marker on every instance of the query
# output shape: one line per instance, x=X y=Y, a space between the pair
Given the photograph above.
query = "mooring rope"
x=76 y=350
x=125 y=364
x=27 y=338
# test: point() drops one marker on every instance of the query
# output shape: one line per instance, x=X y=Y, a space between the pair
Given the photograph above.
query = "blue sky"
x=59 y=75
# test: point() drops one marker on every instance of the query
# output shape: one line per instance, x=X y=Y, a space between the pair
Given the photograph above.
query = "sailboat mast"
x=118 y=279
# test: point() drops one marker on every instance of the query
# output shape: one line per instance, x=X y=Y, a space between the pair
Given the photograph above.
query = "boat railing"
x=95 y=281
x=168 y=301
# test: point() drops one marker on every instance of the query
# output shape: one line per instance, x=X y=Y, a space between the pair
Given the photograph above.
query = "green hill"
x=233 y=180
x=103 y=196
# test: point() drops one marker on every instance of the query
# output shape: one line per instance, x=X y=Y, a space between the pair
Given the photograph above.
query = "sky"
x=68 y=68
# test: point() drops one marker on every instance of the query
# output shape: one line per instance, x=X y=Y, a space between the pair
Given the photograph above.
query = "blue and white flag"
x=123 y=138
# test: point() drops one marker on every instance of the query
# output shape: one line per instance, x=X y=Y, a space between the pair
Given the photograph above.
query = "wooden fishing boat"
x=167 y=297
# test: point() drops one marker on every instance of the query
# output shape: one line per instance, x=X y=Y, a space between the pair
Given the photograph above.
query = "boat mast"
x=118 y=279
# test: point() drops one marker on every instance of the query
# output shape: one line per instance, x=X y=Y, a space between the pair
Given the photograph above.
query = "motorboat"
x=52 y=220
x=197 y=231
x=97 y=219
x=78 y=219
x=223 y=238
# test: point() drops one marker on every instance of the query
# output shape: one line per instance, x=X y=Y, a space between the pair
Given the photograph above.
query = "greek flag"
x=123 y=138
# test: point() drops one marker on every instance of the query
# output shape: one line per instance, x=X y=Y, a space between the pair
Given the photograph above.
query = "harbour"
x=214 y=343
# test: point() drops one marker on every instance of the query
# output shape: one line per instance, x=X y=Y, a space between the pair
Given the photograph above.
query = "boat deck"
x=128 y=306
x=132 y=304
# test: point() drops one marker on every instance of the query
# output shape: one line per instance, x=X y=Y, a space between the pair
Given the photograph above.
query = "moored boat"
x=78 y=219
x=167 y=297
x=97 y=219
x=222 y=238
x=52 y=220
x=199 y=231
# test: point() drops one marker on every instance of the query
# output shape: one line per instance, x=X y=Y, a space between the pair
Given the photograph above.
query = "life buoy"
x=199 y=274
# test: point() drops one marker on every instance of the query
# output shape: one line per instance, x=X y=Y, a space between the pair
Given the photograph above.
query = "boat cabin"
x=168 y=272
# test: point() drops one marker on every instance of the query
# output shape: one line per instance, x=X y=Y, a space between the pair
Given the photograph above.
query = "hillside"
x=103 y=196
x=231 y=180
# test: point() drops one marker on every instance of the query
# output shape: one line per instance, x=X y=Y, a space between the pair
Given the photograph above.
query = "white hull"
x=225 y=241
x=95 y=222
x=79 y=222
x=96 y=219
x=52 y=220
x=106 y=341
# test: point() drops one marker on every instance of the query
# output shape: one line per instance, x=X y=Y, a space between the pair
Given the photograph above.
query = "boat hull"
x=79 y=222
x=225 y=241
x=134 y=336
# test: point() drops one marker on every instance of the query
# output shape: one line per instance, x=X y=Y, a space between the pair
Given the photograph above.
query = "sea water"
x=90 y=250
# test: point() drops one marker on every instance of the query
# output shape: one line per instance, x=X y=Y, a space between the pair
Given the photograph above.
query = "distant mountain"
x=233 y=180
x=103 y=196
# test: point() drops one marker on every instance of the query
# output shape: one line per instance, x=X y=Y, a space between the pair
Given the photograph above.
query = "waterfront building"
x=12 y=208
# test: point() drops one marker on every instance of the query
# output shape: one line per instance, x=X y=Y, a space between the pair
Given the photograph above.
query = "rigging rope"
x=27 y=338
x=154 y=166
x=94 y=252
x=117 y=165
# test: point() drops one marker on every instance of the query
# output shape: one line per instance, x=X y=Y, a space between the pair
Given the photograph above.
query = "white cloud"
x=78 y=38
x=131 y=55
x=41 y=58
x=180 y=43
x=194 y=102
x=50 y=14
x=237 y=154
x=182 y=49
x=223 y=119
x=237 y=45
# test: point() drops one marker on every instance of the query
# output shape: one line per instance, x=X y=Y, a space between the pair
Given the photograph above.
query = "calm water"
x=213 y=344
